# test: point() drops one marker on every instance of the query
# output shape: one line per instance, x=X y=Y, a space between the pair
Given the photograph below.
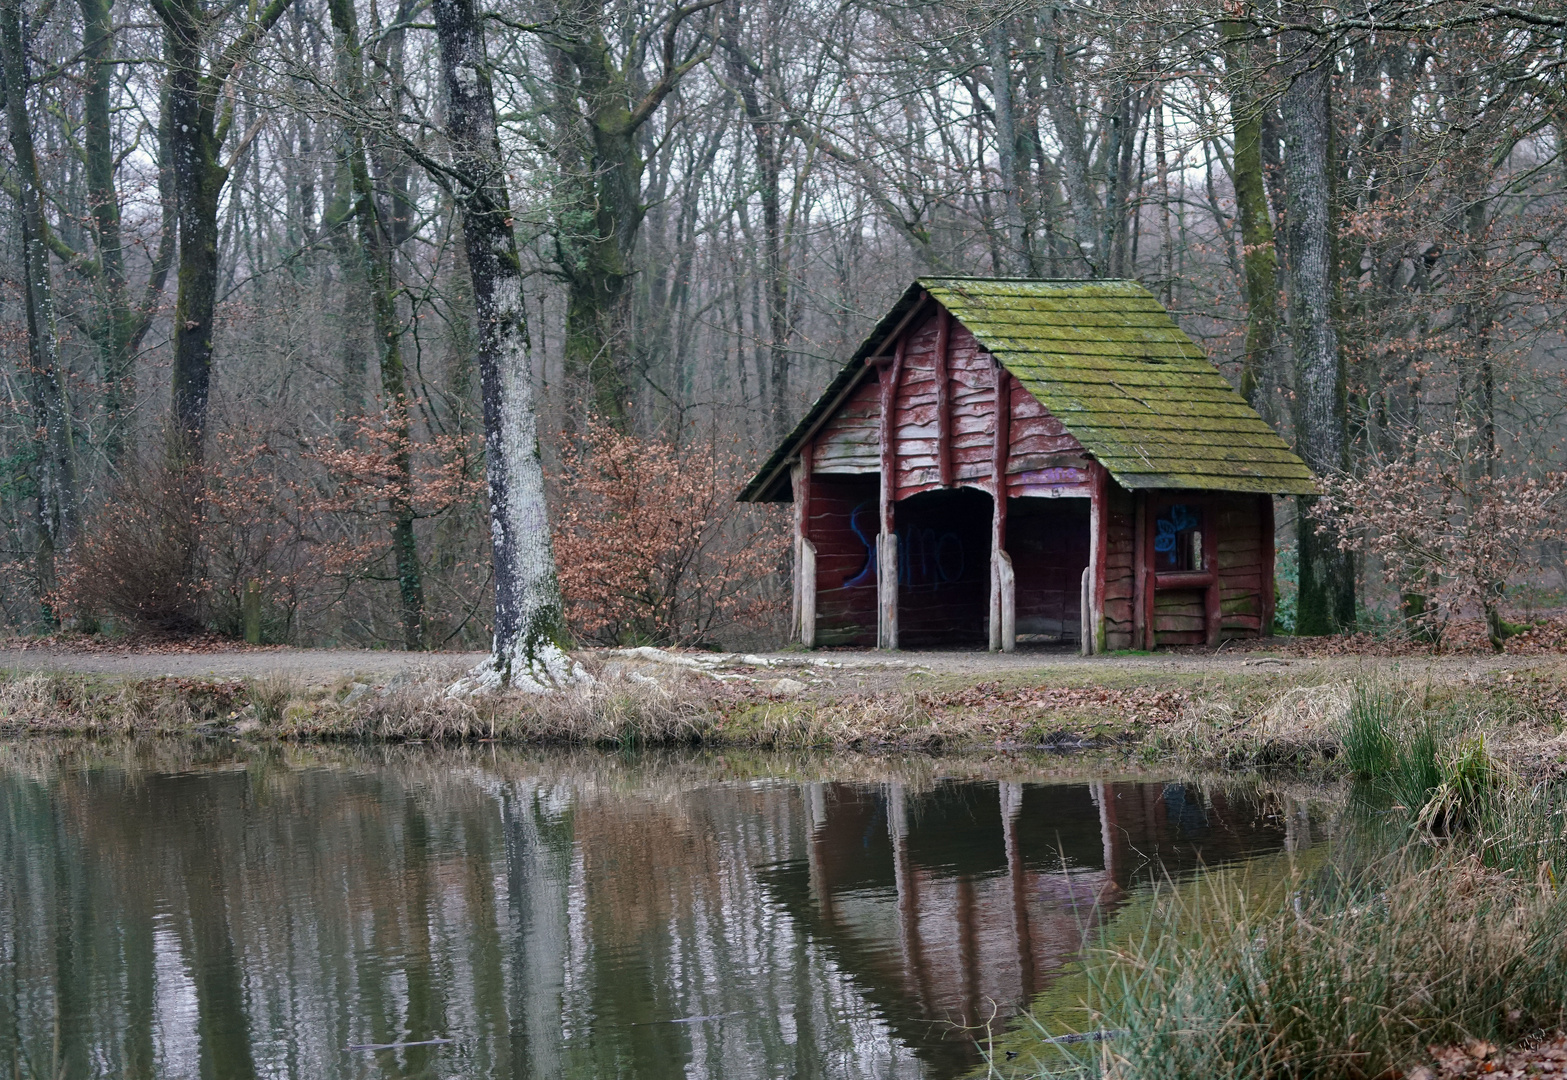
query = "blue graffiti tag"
x=924 y=558
x=1178 y=520
x=868 y=572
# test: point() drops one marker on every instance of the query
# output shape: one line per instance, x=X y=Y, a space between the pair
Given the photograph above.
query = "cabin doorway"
x=1048 y=542
x=943 y=568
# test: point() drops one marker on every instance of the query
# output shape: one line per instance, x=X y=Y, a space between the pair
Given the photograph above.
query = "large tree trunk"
x=55 y=454
x=120 y=326
x=377 y=247
x=199 y=177
x=530 y=632
x=1258 y=257
x=1327 y=578
x=196 y=133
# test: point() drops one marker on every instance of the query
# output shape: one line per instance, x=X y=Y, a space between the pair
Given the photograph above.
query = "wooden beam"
x=1098 y=554
x=943 y=399
x=888 y=436
x=1142 y=587
x=1003 y=583
x=798 y=527
x=1265 y=509
x=887 y=537
x=806 y=559
x=1211 y=609
x=1150 y=582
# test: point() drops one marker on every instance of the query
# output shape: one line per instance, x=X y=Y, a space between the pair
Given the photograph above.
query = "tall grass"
x=1437 y=920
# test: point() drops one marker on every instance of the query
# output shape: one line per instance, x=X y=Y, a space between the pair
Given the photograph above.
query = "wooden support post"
x=943 y=398
x=1003 y=583
x=1213 y=615
x=1268 y=555
x=1142 y=583
x=1098 y=556
x=1150 y=578
x=803 y=628
x=887 y=591
x=807 y=594
x=887 y=537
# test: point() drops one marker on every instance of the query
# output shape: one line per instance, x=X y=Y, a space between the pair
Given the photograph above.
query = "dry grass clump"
x=52 y=702
x=1353 y=979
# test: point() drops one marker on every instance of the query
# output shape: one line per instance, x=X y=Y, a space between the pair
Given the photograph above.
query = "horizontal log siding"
x=943 y=568
x=914 y=414
x=1242 y=573
x=1044 y=458
x=1118 y=567
x=848 y=442
x=1178 y=617
x=1238 y=552
x=845 y=613
x=1048 y=542
x=971 y=388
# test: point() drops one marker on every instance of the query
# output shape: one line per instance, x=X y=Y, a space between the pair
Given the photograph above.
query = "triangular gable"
x=1107 y=360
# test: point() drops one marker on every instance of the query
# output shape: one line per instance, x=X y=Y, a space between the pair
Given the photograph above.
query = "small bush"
x=139 y=560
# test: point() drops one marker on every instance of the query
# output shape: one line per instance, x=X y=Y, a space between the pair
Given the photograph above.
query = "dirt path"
x=852 y=667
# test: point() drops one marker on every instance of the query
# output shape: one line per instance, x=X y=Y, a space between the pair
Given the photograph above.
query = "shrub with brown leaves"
x=652 y=547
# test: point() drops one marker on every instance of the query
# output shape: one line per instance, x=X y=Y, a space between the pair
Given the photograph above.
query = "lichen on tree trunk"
x=530 y=632
x=1327 y=578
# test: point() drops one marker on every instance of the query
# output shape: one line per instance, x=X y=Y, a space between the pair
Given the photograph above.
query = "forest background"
x=239 y=324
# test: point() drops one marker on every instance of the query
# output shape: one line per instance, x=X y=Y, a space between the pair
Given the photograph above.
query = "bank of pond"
x=215 y=908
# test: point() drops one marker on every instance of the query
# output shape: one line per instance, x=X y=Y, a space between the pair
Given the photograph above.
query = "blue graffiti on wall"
x=928 y=558
x=1177 y=519
x=925 y=557
x=867 y=573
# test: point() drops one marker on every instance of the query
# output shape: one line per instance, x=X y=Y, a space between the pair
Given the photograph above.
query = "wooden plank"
x=943 y=396
x=796 y=485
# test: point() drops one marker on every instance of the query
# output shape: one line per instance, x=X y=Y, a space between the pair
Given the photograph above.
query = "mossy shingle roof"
x=1107 y=360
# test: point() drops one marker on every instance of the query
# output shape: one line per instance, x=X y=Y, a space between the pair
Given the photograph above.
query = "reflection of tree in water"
x=232 y=917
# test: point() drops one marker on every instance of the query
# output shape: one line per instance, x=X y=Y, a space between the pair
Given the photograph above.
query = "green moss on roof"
x=1107 y=360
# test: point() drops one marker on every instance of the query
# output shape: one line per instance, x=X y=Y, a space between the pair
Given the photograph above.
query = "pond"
x=228 y=911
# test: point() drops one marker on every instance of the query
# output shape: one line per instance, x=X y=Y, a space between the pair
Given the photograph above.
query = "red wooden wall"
x=1048 y=542
x=843 y=528
x=1120 y=518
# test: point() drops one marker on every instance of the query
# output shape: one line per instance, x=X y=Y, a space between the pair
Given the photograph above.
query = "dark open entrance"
x=1048 y=542
x=943 y=568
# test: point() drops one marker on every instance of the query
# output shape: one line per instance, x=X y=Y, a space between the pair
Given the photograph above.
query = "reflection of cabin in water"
x=963 y=901
x=1138 y=483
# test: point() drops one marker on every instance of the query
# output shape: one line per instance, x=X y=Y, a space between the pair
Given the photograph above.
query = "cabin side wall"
x=1245 y=565
x=1119 y=570
x=842 y=527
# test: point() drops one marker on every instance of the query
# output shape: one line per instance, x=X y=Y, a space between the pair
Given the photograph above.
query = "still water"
x=228 y=913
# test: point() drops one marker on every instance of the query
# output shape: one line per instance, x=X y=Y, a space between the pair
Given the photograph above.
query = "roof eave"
x=768 y=483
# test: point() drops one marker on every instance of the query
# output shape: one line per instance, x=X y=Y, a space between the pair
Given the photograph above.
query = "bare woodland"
x=337 y=321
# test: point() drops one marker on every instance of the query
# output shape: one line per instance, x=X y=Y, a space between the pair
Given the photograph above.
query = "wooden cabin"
x=1053 y=460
